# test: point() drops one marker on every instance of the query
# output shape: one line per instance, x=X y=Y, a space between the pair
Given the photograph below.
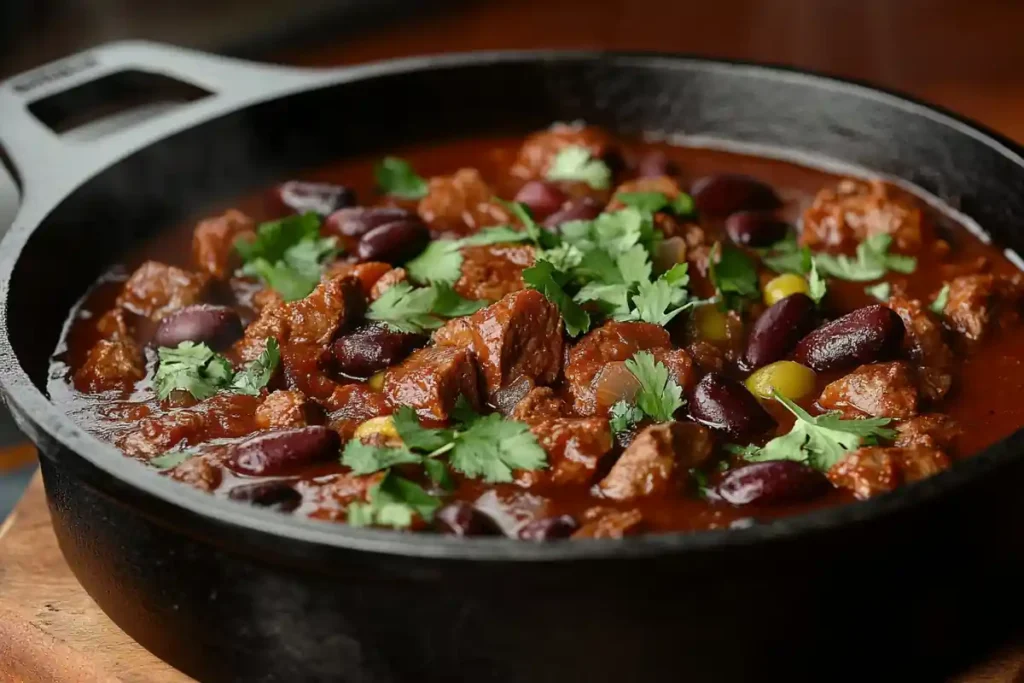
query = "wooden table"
x=967 y=56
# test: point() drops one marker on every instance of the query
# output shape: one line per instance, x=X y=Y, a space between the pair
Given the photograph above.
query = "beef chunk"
x=431 y=380
x=657 y=460
x=204 y=471
x=213 y=242
x=368 y=273
x=613 y=341
x=329 y=497
x=111 y=365
x=156 y=289
x=924 y=344
x=934 y=431
x=113 y=325
x=273 y=322
x=513 y=508
x=281 y=409
x=855 y=210
x=679 y=364
x=455 y=332
x=610 y=523
x=461 y=204
x=334 y=305
x=878 y=390
x=387 y=281
x=977 y=302
x=540 y=149
x=871 y=471
x=494 y=270
x=519 y=336
x=353 y=404
x=539 y=404
x=220 y=417
x=575 y=448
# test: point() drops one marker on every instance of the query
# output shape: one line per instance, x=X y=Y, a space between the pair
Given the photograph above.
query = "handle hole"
x=112 y=102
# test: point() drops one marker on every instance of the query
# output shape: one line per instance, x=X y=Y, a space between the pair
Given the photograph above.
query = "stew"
x=567 y=335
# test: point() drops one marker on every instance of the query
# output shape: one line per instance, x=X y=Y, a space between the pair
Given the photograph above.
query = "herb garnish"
x=658 y=398
x=171 y=459
x=195 y=368
x=653 y=202
x=407 y=309
x=817 y=287
x=394 y=501
x=787 y=256
x=397 y=178
x=941 y=300
x=574 y=163
x=287 y=254
x=882 y=291
x=442 y=262
x=734 y=275
x=543 y=277
x=872 y=262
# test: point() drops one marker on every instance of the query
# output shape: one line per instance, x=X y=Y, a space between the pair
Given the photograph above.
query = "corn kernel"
x=711 y=323
x=377 y=381
x=383 y=426
x=791 y=380
x=784 y=285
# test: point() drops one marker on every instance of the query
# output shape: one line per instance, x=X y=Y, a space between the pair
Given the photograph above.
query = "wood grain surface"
x=965 y=55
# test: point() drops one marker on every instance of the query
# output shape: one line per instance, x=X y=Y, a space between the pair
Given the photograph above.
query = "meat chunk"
x=871 y=471
x=204 y=472
x=461 y=204
x=977 y=302
x=273 y=322
x=539 y=404
x=353 y=404
x=679 y=364
x=878 y=390
x=156 y=289
x=220 y=417
x=329 y=497
x=540 y=149
x=455 y=332
x=367 y=273
x=575 y=448
x=213 y=242
x=334 y=305
x=613 y=341
x=935 y=430
x=855 y=210
x=494 y=270
x=924 y=344
x=282 y=409
x=608 y=523
x=387 y=281
x=110 y=365
x=113 y=325
x=431 y=380
x=519 y=336
x=657 y=460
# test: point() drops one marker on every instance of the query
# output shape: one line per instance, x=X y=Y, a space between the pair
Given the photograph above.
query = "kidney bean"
x=284 y=451
x=395 y=242
x=276 y=495
x=866 y=335
x=542 y=198
x=775 y=481
x=579 y=209
x=372 y=348
x=320 y=198
x=721 y=195
x=462 y=519
x=357 y=221
x=216 y=326
x=726 y=405
x=549 y=529
x=779 y=329
x=755 y=228
x=654 y=165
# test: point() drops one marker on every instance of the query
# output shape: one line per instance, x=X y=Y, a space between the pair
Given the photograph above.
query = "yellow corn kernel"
x=384 y=426
x=711 y=323
x=377 y=381
x=792 y=380
x=784 y=285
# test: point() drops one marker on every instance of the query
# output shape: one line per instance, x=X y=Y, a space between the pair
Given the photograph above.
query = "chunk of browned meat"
x=855 y=210
x=871 y=471
x=220 y=417
x=663 y=184
x=213 y=242
x=977 y=302
x=540 y=149
x=934 y=430
x=272 y=322
x=924 y=344
x=204 y=471
x=494 y=270
x=334 y=305
x=657 y=461
x=287 y=409
x=707 y=356
x=575 y=448
x=519 y=336
x=265 y=297
x=111 y=365
x=613 y=341
x=607 y=523
x=539 y=404
x=113 y=325
x=353 y=404
x=329 y=497
x=431 y=380
x=878 y=390
x=455 y=332
x=461 y=204
x=368 y=273
x=156 y=289
x=679 y=365
x=387 y=281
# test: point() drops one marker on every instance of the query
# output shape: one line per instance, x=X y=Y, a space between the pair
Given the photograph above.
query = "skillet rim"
x=115 y=471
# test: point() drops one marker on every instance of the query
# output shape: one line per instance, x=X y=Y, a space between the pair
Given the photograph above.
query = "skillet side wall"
x=223 y=607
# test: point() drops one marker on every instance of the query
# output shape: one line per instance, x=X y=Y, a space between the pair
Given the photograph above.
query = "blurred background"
x=967 y=55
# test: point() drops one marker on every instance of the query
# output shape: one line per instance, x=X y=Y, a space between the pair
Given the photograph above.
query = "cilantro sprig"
x=550 y=282
x=396 y=177
x=395 y=502
x=941 y=300
x=734 y=275
x=197 y=369
x=658 y=398
x=441 y=261
x=575 y=163
x=873 y=261
x=881 y=291
x=682 y=205
x=287 y=254
x=407 y=309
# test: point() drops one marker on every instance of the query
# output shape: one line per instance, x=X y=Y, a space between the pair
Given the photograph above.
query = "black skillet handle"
x=48 y=164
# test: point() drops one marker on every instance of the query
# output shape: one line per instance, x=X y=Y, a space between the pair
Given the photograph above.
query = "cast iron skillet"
x=906 y=586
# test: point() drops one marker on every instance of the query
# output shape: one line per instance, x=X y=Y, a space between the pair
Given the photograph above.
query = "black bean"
x=726 y=405
x=775 y=481
x=579 y=209
x=276 y=495
x=462 y=519
x=372 y=348
x=542 y=198
x=320 y=198
x=359 y=220
x=395 y=242
x=779 y=329
x=755 y=228
x=284 y=451
x=867 y=335
x=655 y=164
x=216 y=326
x=721 y=195
x=549 y=529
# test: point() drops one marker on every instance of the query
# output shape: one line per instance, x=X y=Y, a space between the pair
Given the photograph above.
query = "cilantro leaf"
x=652 y=202
x=660 y=396
x=634 y=265
x=941 y=300
x=417 y=437
x=450 y=304
x=537 y=235
x=256 y=374
x=441 y=261
x=274 y=238
x=882 y=291
x=172 y=459
x=408 y=309
x=287 y=254
x=623 y=416
x=366 y=458
x=660 y=301
x=191 y=367
x=397 y=178
x=683 y=205
x=575 y=163
x=817 y=287
x=787 y=256
x=563 y=257
x=543 y=277
x=393 y=502
x=491 y=447
x=734 y=275
x=872 y=262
